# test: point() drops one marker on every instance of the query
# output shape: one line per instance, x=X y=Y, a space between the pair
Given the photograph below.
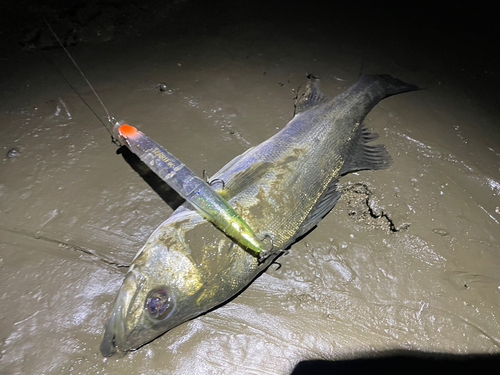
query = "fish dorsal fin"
x=309 y=96
x=325 y=203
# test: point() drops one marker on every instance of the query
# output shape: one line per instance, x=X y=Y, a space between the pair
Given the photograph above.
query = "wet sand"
x=408 y=259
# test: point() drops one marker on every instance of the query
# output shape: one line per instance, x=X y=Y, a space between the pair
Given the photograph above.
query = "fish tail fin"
x=389 y=85
x=362 y=156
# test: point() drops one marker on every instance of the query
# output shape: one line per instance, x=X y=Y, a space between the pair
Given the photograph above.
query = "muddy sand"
x=408 y=259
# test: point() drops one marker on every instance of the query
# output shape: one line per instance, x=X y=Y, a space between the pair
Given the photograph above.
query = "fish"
x=282 y=188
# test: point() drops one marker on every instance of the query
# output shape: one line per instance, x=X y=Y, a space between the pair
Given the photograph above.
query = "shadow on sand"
x=404 y=362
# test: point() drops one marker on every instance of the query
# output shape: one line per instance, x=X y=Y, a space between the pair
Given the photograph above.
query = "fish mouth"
x=116 y=335
x=108 y=346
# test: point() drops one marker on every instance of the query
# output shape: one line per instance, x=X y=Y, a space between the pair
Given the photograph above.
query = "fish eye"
x=159 y=303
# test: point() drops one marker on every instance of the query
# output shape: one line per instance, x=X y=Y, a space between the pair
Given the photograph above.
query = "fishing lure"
x=192 y=188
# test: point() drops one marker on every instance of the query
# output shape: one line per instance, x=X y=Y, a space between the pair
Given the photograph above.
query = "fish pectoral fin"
x=241 y=180
x=325 y=204
x=231 y=163
x=362 y=156
x=309 y=96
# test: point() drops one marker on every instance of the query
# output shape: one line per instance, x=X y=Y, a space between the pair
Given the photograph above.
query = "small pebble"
x=162 y=86
x=12 y=153
x=441 y=231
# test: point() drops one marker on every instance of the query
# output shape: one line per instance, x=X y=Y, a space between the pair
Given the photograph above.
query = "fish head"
x=161 y=290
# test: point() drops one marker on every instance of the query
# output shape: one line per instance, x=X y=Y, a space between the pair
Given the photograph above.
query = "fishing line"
x=113 y=139
x=111 y=119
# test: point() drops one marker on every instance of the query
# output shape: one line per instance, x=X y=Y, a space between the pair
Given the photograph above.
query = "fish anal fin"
x=362 y=156
x=359 y=156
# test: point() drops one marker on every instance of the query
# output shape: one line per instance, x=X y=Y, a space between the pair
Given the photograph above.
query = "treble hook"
x=218 y=180
x=207 y=180
x=264 y=254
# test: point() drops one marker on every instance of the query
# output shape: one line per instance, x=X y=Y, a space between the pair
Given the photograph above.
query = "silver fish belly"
x=282 y=188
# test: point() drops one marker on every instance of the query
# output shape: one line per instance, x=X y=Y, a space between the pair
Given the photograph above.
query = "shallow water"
x=73 y=213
